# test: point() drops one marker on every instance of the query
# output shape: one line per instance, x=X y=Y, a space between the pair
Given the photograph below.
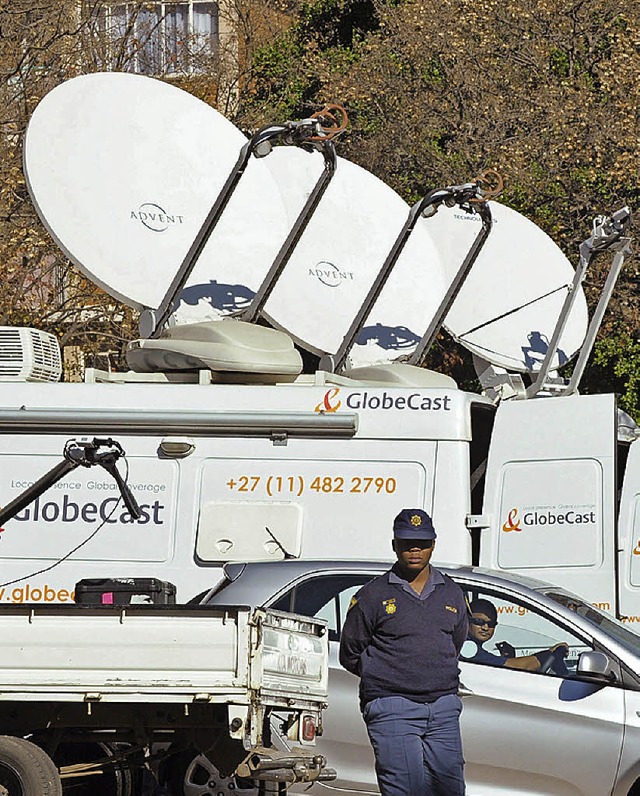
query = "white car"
x=523 y=732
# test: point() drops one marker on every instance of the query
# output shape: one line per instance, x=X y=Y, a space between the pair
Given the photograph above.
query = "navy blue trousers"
x=418 y=748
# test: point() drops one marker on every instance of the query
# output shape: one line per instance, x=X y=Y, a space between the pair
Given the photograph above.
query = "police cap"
x=413 y=524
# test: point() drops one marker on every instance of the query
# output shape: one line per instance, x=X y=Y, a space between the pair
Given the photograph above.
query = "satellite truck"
x=233 y=452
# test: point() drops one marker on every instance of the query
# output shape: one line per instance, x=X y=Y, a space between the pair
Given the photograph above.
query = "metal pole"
x=286 y=250
x=594 y=326
x=152 y=321
x=424 y=346
x=606 y=234
x=9 y=511
x=459 y=194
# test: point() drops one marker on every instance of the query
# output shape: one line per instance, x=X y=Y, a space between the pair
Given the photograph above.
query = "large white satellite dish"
x=339 y=256
x=123 y=170
x=507 y=309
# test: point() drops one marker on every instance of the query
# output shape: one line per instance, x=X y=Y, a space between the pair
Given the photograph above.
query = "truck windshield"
x=612 y=627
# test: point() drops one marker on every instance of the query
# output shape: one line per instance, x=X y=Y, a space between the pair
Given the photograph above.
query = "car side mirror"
x=595 y=666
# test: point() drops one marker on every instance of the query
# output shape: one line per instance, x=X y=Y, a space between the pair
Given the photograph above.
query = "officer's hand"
x=562 y=649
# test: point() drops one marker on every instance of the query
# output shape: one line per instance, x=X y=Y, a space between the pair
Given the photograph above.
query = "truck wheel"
x=115 y=780
x=191 y=774
x=26 y=770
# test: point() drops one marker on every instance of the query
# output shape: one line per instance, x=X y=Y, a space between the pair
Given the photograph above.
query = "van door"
x=550 y=494
x=629 y=538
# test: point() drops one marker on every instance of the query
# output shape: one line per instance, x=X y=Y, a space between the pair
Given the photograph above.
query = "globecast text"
x=68 y=510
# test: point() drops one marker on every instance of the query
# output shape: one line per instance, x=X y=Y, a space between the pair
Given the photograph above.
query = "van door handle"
x=463 y=691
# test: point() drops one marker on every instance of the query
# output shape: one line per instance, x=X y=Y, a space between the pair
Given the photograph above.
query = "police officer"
x=402 y=636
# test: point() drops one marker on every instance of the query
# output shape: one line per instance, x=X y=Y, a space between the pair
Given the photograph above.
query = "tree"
x=41 y=46
x=543 y=91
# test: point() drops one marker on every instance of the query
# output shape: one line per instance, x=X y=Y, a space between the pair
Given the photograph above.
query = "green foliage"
x=615 y=367
x=284 y=88
x=559 y=63
x=288 y=71
x=336 y=23
x=542 y=91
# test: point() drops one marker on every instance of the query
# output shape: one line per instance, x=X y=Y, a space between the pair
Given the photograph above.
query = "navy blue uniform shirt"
x=403 y=644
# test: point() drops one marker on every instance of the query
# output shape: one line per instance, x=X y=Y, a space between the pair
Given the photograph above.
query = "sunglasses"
x=424 y=544
x=480 y=622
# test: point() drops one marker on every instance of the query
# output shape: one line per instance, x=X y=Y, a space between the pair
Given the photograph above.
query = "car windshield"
x=206 y=596
x=612 y=627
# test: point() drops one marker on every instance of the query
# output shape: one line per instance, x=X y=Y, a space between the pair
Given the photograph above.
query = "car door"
x=523 y=732
x=344 y=741
x=532 y=733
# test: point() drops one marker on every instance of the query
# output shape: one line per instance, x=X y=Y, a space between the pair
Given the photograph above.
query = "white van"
x=244 y=472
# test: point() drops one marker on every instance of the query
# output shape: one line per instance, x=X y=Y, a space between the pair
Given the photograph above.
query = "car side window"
x=325 y=596
x=507 y=633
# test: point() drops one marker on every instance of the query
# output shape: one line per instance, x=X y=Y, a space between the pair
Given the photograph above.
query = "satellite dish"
x=338 y=257
x=508 y=306
x=123 y=169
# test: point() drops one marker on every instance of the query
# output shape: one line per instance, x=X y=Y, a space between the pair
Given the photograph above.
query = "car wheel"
x=191 y=774
x=26 y=770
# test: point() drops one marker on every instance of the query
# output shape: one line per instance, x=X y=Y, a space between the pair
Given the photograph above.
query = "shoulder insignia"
x=390 y=605
x=353 y=601
x=451 y=608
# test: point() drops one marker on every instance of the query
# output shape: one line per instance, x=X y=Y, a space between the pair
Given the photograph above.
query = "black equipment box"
x=124 y=591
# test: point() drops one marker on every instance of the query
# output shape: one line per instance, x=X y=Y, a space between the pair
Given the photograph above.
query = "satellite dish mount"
x=472 y=197
x=316 y=132
x=608 y=234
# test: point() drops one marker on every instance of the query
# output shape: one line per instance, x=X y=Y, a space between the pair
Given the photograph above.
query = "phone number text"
x=298 y=484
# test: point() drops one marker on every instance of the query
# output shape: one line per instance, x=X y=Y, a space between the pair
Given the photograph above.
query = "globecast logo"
x=105 y=510
x=328 y=403
x=365 y=400
x=512 y=523
x=547 y=516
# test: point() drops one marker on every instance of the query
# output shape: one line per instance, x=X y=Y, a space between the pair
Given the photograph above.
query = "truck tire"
x=26 y=770
x=191 y=774
x=115 y=780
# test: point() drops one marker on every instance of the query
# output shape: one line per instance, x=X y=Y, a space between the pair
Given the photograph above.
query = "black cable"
x=510 y=312
x=77 y=547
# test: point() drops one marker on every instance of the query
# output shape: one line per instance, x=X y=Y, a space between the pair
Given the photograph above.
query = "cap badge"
x=416 y=520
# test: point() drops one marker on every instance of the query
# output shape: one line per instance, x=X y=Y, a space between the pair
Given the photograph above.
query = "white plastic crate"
x=29 y=355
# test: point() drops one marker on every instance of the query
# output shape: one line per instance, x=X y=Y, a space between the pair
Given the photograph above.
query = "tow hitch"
x=284 y=768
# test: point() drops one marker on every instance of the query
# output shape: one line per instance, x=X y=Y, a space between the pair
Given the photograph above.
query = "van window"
x=482 y=417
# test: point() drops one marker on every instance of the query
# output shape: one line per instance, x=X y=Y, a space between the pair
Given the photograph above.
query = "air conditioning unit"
x=29 y=355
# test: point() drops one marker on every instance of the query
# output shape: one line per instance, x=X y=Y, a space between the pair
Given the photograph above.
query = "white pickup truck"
x=95 y=689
